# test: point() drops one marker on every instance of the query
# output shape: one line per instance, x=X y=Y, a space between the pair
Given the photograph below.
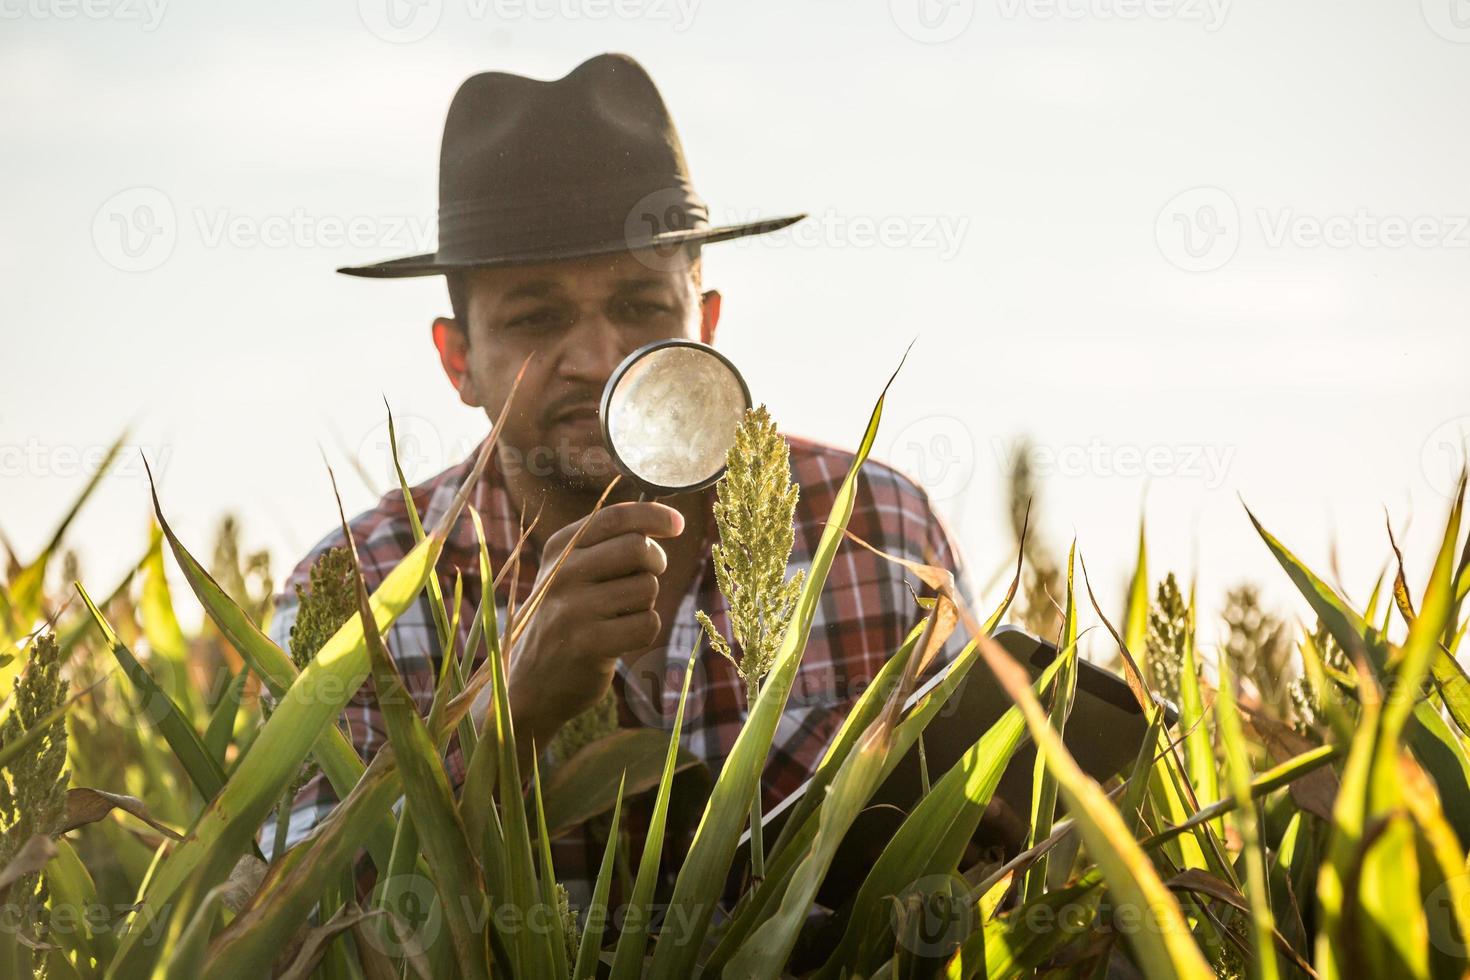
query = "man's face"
x=576 y=320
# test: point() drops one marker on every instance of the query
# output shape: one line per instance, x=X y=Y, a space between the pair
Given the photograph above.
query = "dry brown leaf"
x=319 y=938
x=85 y=805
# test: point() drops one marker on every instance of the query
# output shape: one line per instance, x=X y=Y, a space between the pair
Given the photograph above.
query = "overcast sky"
x=1199 y=251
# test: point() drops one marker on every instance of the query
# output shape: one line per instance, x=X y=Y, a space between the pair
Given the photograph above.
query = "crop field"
x=1306 y=815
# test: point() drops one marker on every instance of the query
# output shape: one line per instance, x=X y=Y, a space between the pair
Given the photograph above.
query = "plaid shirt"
x=864 y=613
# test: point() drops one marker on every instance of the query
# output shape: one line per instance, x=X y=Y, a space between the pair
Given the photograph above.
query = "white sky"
x=1025 y=176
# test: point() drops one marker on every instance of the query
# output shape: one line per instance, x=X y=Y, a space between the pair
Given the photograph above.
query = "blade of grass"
x=338 y=759
x=162 y=713
x=932 y=838
x=1044 y=786
x=429 y=797
x=221 y=730
x=633 y=942
x=702 y=876
x=585 y=968
x=1253 y=854
x=1199 y=754
x=1165 y=948
x=309 y=707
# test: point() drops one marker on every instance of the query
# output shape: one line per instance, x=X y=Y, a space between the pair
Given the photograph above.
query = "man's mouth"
x=576 y=413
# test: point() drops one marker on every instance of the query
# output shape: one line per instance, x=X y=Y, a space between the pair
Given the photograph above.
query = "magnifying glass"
x=669 y=414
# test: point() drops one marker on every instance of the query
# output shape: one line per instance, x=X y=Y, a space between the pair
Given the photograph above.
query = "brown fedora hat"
x=533 y=171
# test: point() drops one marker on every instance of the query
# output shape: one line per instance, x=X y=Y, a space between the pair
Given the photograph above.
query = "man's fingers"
x=632 y=632
x=618 y=557
x=644 y=517
x=621 y=596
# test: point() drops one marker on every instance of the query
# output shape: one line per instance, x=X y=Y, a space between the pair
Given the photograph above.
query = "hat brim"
x=431 y=265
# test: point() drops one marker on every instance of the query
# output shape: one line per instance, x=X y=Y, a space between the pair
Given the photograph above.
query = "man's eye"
x=538 y=318
x=644 y=310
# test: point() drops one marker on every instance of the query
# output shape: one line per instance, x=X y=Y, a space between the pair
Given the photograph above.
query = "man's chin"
x=568 y=465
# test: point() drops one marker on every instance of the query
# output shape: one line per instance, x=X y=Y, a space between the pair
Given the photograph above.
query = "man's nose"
x=592 y=350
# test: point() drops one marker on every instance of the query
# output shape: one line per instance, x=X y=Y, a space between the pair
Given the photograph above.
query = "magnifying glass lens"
x=670 y=414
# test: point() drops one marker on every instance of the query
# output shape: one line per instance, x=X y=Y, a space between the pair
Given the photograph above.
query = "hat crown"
x=586 y=164
x=600 y=130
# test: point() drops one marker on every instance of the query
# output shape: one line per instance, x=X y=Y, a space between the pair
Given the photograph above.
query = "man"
x=569 y=234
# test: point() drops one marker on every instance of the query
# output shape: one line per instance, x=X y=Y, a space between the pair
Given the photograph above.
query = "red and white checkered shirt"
x=866 y=610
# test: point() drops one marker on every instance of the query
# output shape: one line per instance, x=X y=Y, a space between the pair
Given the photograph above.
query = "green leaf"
x=1165 y=946
x=588 y=784
x=310 y=707
x=221 y=730
x=169 y=649
x=586 y=966
x=932 y=838
x=1253 y=854
x=338 y=759
x=429 y=797
x=161 y=712
x=633 y=943
x=1043 y=785
x=702 y=877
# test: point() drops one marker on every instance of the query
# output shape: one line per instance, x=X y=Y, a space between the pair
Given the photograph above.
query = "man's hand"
x=599 y=607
